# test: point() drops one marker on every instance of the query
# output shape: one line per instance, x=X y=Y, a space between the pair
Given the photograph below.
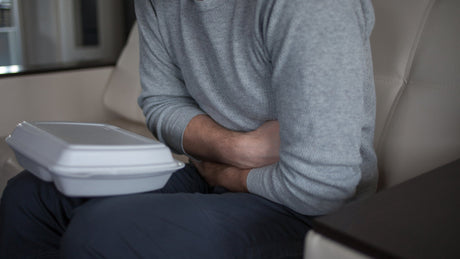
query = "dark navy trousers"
x=186 y=219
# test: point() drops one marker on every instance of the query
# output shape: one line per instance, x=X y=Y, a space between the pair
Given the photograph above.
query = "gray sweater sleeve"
x=316 y=72
x=165 y=101
x=318 y=51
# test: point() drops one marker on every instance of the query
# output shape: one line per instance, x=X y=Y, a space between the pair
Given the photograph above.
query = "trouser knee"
x=95 y=230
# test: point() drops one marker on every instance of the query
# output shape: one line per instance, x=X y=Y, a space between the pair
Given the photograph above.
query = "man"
x=274 y=102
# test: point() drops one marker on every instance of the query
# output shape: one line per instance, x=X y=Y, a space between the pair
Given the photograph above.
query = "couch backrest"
x=416 y=52
x=124 y=87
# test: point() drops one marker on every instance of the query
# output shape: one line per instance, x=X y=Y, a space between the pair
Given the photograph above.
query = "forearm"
x=206 y=140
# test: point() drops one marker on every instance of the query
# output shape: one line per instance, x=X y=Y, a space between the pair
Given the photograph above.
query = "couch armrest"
x=318 y=246
x=415 y=219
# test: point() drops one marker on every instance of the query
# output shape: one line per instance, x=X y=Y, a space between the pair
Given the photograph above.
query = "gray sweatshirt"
x=305 y=63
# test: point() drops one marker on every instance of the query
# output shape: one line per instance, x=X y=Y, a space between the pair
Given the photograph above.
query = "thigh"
x=33 y=217
x=185 y=225
x=34 y=214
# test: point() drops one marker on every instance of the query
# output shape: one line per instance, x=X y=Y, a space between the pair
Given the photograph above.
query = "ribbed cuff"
x=174 y=135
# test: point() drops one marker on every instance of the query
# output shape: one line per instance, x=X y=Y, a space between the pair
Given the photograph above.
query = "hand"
x=260 y=147
x=232 y=178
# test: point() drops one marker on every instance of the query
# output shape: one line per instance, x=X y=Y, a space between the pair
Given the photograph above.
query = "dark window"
x=38 y=35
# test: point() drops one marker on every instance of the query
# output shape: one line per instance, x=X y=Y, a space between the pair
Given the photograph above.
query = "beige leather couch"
x=417 y=73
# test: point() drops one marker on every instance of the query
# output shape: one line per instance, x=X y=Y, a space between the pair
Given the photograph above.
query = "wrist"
x=246 y=150
x=234 y=179
x=232 y=149
x=243 y=180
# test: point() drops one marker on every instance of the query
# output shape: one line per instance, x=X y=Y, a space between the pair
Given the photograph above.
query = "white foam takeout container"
x=87 y=159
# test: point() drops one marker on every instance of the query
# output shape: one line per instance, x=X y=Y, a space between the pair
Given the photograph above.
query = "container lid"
x=88 y=149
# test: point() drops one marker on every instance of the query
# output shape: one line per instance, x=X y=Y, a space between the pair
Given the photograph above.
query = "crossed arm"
x=228 y=156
